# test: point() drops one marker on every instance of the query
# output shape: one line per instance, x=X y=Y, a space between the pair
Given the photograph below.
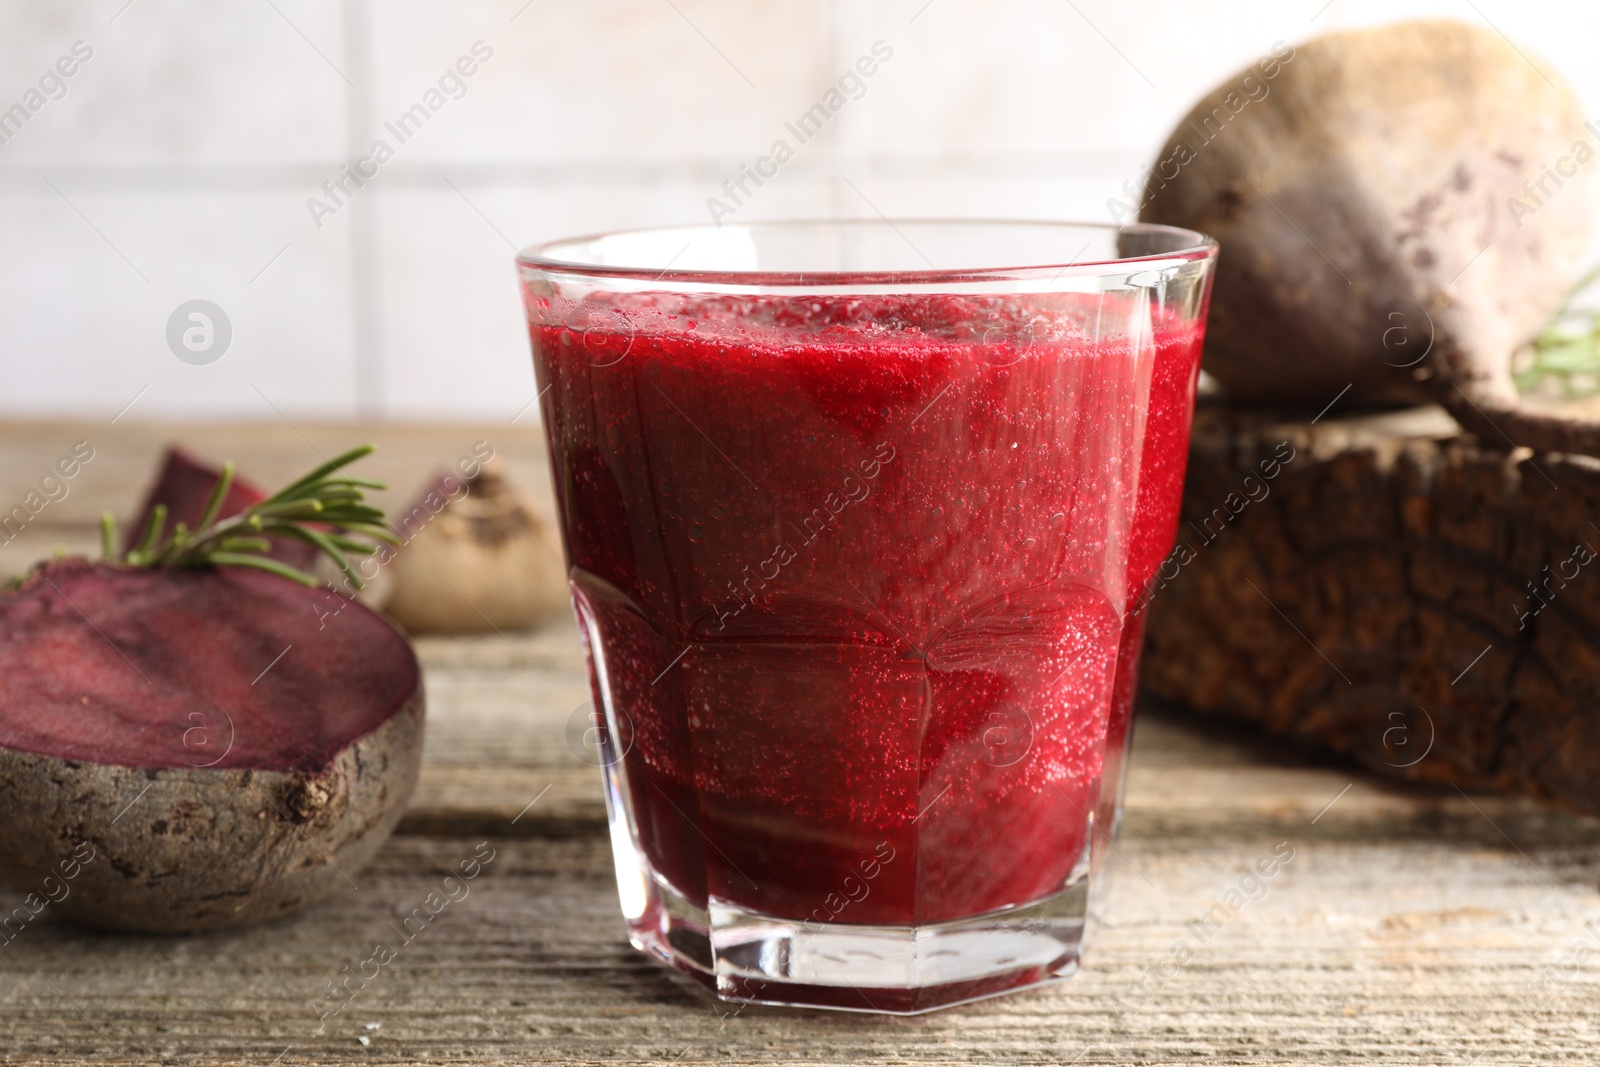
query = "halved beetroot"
x=233 y=745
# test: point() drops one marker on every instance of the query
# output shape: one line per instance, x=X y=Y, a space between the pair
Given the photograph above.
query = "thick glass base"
x=897 y=969
x=747 y=957
x=901 y=970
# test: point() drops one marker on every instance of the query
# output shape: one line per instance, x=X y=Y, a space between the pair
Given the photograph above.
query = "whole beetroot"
x=1400 y=209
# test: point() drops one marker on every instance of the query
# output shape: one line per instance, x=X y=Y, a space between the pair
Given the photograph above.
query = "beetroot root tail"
x=1496 y=422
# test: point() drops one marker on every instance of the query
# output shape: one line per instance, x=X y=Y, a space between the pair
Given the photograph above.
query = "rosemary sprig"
x=1567 y=351
x=324 y=509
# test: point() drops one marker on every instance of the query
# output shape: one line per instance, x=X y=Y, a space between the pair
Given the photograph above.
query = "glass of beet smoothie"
x=858 y=516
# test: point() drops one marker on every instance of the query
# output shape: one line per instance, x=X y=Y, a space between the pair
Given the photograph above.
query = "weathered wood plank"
x=1420 y=952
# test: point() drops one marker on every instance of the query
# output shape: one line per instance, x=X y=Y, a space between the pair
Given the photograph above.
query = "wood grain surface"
x=1415 y=924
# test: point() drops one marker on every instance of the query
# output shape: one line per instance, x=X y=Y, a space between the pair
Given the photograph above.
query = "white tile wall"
x=178 y=162
x=83 y=314
x=175 y=83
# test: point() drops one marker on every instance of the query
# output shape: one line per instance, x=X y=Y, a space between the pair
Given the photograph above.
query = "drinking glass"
x=855 y=514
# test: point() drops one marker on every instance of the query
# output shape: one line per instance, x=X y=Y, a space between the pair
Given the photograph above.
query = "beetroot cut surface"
x=178 y=668
x=184 y=484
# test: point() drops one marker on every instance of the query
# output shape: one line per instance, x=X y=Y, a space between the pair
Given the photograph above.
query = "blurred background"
x=185 y=158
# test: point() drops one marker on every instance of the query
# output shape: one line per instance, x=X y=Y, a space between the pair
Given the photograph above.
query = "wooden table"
x=1412 y=926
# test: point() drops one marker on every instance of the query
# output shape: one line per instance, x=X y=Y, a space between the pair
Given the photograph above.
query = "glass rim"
x=545 y=257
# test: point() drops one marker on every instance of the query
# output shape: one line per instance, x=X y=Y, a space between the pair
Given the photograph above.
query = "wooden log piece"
x=1415 y=599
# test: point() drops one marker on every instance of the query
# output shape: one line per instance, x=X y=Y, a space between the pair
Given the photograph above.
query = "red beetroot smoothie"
x=853 y=569
x=1155 y=527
